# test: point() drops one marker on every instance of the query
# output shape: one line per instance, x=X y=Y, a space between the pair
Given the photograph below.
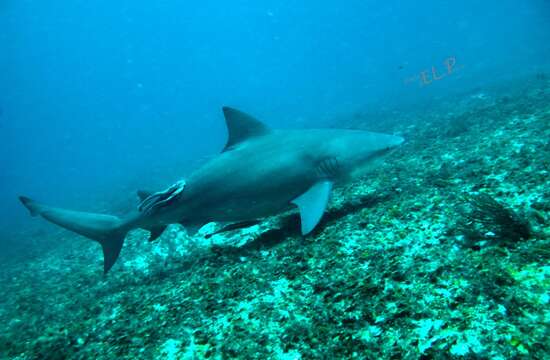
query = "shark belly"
x=243 y=188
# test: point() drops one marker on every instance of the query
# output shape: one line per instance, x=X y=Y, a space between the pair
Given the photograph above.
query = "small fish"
x=234 y=226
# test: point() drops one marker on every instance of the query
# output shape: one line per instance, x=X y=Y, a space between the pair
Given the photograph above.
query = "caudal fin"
x=30 y=205
x=105 y=229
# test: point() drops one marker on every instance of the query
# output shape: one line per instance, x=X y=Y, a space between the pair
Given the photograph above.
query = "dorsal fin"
x=241 y=126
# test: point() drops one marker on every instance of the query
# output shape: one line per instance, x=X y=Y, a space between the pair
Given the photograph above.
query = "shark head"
x=357 y=150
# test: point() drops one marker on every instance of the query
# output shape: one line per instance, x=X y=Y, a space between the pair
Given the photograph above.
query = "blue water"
x=100 y=98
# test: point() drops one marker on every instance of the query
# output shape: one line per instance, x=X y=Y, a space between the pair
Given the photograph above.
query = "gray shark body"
x=259 y=173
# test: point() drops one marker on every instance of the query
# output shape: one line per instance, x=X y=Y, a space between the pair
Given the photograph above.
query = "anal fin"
x=156 y=232
x=192 y=229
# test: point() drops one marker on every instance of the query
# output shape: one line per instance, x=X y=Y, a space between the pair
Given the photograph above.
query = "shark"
x=259 y=173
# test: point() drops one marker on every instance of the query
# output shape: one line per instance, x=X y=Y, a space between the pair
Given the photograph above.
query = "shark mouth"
x=162 y=198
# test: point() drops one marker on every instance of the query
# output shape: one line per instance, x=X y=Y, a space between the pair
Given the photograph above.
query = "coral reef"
x=440 y=252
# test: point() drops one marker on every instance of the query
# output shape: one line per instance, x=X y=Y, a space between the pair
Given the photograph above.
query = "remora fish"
x=260 y=172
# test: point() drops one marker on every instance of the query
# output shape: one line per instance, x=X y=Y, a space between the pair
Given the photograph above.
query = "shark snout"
x=397 y=140
x=394 y=141
x=389 y=144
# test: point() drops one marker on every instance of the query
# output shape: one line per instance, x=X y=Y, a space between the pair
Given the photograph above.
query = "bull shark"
x=260 y=172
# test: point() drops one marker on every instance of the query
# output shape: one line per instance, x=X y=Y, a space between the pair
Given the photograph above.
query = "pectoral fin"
x=312 y=204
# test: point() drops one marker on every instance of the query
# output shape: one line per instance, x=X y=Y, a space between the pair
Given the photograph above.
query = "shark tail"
x=108 y=230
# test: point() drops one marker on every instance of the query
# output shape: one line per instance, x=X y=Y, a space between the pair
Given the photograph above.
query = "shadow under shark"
x=259 y=173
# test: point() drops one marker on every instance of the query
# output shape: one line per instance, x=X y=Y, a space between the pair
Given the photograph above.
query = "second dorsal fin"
x=241 y=126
